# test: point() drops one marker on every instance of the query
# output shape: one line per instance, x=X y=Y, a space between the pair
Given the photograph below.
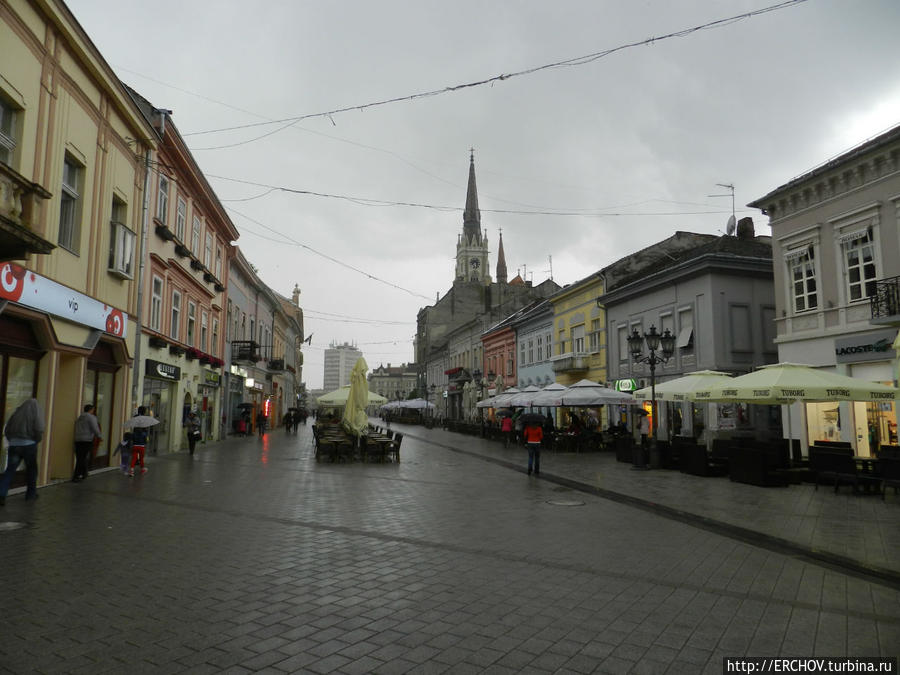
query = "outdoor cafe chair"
x=889 y=470
x=393 y=449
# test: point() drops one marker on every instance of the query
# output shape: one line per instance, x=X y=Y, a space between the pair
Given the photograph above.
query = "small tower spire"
x=501 y=261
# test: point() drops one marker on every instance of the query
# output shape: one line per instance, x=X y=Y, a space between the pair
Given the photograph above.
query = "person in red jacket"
x=533 y=436
x=506 y=428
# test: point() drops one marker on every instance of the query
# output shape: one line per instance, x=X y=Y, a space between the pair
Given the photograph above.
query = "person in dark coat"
x=87 y=430
x=24 y=430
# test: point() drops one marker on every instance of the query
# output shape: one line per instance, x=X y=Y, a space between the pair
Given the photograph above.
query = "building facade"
x=836 y=247
x=395 y=383
x=73 y=152
x=716 y=295
x=180 y=355
x=339 y=362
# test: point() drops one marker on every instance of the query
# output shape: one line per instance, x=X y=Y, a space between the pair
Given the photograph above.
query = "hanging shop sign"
x=161 y=371
x=32 y=290
x=626 y=385
x=211 y=378
x=866 y=347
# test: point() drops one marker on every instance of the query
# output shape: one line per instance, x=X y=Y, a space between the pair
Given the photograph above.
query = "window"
x=204 y=323
x=540 y=347
x=228 y=323
x=8 y=116
x=252 y=331
x=622 y=340
x=859 y=255
x=562 y=342
x=121 y=243
x=70 y=206
x=686 y=329
x=207 y=253
x=214 y=345
x=243 y=332
x=180 y=219
x=176 y=315
x=195 y=237
x=530 y=351
x=191 y=323
x=156 y=303
x=802 y=273
x=522 y=352
x=218 y=270
x=595 y=335
x=578 y=339
x=162 y=199
x=548 y=346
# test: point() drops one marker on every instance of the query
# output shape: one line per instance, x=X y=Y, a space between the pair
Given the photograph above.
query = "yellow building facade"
x=579 y=335
x=72 y=154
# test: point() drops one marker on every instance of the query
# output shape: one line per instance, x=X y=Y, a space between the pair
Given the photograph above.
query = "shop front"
x=866 y=425
x=65 y=349
x=160 y=396
x=207 y=395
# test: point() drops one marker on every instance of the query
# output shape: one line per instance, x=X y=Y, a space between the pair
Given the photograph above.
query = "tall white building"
x=339 y=361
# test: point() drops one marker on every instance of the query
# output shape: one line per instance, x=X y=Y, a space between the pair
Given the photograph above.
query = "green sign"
x=626 y=385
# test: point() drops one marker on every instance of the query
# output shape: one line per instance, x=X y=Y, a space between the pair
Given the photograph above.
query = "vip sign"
x=32 y=290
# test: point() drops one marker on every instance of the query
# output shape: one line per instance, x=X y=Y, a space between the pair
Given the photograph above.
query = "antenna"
x=731 y=224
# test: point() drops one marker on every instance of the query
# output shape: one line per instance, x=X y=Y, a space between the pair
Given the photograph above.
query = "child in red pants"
x=138 y=445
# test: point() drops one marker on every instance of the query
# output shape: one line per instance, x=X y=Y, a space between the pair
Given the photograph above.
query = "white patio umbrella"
x=502 y=400
x=416 y=404
x=486 y=403
x=524 y=399
x=683 y=388
x=587 y=393
x=549 y=396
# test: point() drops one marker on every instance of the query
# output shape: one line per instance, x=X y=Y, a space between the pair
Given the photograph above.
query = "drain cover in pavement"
x=11 y=525
x=564 y=502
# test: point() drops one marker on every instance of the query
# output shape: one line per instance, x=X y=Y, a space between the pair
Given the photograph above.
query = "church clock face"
x=474 y=263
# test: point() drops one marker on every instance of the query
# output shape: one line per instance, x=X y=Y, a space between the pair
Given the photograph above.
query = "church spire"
x=471 y=215
x=501 y=261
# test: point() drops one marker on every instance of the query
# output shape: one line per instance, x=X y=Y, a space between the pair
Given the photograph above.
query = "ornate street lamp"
x=656 y=342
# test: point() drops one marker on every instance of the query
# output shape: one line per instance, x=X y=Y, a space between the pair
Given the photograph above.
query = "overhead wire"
x=566 y=63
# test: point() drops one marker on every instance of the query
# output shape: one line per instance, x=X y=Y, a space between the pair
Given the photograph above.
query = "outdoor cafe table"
x=381 y=442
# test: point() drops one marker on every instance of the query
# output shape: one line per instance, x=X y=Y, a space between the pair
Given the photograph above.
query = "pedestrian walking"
x=533 y=435
x=139 y=436
x=123 y=449
x=193 y=431
x=87 y=431
x=506 y=428
x=261 y=423
x=24 y=430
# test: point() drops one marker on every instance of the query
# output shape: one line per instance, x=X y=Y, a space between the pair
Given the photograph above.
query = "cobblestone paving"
x=253 y=557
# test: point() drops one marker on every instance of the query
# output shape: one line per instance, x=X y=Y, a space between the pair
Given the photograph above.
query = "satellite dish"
x=730 y=226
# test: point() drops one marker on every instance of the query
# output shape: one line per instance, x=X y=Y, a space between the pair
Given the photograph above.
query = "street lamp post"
x=664 y=344
x=476 y=377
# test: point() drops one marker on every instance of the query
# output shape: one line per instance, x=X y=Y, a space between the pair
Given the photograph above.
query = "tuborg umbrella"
x=549 y=396
x=684 y=388
x=783 y=383
x=338 y=397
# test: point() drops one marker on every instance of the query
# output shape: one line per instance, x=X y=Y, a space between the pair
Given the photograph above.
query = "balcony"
x=886 y=302
x=20 y=203
x=244 y=350
x=570 y=363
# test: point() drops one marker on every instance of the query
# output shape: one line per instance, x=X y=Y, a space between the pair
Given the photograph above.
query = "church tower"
x=501 y=261
x=472 y=245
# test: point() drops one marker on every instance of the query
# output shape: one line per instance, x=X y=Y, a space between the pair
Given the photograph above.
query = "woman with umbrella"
x=140 y=425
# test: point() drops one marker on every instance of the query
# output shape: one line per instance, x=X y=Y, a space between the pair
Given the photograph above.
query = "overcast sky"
x=608 y=156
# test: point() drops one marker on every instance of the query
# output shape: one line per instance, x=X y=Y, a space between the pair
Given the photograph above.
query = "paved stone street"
x=253 y=557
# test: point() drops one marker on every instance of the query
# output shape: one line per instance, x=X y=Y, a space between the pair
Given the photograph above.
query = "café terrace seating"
x=836 y=465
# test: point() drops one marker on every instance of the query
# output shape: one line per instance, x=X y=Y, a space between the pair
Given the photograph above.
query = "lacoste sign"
x=866 y=347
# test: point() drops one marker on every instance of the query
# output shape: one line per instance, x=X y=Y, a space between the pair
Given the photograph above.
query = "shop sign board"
x=866 y=347
x=211 y=378
x=626 y=385
x=161 y=371
x=32 y=290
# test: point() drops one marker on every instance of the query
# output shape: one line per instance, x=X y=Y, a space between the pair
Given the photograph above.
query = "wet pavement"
x=252 y=556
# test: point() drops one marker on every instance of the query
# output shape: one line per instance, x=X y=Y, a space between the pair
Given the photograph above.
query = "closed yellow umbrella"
x=355 y=420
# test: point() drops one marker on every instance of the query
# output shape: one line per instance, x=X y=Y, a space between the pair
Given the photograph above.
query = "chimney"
x=295 y=296
x=745 y=228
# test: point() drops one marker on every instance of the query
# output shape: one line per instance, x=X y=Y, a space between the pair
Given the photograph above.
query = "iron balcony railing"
x=885 y=302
